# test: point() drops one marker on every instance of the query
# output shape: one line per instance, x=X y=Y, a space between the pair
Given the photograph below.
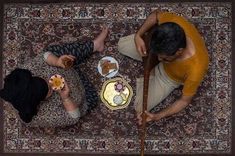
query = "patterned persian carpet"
x=203 y=127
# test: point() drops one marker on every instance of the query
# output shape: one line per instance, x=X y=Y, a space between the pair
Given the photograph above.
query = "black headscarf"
x=24 y=92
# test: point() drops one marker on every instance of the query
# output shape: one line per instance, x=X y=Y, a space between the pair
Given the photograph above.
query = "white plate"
x=111 y=73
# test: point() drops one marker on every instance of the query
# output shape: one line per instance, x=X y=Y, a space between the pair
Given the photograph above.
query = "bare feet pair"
x=99 y=40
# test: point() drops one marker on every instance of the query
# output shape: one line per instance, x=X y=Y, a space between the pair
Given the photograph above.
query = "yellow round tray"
x=116 y=93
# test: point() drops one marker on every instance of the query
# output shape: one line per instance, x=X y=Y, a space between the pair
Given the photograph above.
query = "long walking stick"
x=149 y=62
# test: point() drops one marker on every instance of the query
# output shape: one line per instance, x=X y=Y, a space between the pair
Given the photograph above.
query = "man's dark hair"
x=167 y=38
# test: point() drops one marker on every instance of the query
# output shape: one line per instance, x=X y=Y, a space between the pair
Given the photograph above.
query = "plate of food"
x=57 y=82
x=108 y=67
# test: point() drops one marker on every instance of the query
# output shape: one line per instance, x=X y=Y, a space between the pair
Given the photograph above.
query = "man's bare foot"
x=99 y=40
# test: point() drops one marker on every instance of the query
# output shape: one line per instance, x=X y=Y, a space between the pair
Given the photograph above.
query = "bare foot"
x=99 y=40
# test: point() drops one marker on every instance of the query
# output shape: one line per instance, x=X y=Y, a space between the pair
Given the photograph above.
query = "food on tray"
x=106 y=66
x=57 y=82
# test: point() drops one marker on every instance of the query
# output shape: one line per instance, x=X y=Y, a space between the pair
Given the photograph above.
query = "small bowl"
x=57 y=82
x=118 y=99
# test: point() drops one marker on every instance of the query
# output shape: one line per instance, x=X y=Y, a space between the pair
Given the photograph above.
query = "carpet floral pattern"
x=203 y=127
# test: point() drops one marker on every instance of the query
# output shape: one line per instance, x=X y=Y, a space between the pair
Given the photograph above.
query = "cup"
x=57 y=82
x=68 y=63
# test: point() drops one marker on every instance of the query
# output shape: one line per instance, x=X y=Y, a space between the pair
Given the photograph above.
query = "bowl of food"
x=57 y=82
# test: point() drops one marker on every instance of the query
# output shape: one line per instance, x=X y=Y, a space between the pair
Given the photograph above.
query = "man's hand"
x=140 y=45
x=150 y=117
x=60 y=61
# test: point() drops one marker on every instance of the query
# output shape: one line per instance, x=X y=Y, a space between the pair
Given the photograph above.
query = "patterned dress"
x=51 y=112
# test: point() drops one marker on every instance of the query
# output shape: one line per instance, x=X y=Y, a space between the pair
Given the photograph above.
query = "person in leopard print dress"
x=29 y=92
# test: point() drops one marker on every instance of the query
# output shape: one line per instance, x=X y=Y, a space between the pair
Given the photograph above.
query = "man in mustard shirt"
x=183 y=61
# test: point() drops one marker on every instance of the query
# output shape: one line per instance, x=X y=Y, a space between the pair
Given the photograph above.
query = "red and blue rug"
x=203 y=127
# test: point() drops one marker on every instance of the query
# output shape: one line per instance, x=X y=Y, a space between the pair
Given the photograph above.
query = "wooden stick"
x=150 y=61
x=145 y=101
